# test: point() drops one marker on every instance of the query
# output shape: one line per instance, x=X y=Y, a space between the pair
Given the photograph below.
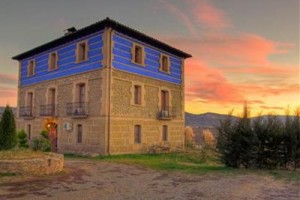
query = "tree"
x=22 y=139
x=8 y=137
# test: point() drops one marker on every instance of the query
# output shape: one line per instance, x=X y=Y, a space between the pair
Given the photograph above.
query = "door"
x=53 y=138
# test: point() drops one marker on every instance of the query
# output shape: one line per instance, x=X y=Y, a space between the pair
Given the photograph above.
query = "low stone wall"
x=49 y=164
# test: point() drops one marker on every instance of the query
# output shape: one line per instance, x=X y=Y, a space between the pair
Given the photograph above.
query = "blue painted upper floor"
x=152 y=55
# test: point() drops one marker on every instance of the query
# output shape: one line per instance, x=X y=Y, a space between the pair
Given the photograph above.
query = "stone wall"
x=124 y=115
x=49 y=164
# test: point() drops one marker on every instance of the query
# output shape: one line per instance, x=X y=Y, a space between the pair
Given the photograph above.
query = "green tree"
x=22 y=139
x=8 y=137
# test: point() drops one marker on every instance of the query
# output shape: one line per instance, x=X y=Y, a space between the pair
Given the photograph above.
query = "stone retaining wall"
x=49 y=164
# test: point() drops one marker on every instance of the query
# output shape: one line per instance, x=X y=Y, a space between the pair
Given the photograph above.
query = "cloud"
x=205 y=83
x=181 y=16
x=205 y=13
x=8 y=96
x=8 y=79
x=272 y=107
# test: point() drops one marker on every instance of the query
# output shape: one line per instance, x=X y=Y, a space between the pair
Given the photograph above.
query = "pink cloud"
x=207 y=14
x=181 y=16
x=8 y=96
x=205 y=83
x=8 y=79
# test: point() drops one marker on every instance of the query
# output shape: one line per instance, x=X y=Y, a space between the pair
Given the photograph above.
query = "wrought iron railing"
x=78 y=109
x=48 y=110
x=26 y=111
x=166 y=112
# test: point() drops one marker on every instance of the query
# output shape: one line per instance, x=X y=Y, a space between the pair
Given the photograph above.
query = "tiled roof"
x=97 y=27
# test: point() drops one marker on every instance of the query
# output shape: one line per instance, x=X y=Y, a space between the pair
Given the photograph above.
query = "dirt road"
x=103 y=180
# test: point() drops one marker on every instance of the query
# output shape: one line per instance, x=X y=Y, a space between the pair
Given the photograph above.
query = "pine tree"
x=8 y=137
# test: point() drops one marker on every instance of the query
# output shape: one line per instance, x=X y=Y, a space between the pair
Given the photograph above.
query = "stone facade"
x=93 y=138
x=124 y=115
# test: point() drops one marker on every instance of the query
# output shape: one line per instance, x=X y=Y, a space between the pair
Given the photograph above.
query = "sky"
x=243 y=51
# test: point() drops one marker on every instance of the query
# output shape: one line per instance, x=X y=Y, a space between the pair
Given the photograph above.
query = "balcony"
x=48 y=110
x=26 y=112
x=77 y=110
x=166 y=113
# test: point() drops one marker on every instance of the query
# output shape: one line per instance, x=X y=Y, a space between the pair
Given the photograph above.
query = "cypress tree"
x=8 y=138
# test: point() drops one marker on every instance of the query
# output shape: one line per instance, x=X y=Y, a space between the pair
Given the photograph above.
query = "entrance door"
x=53 y=139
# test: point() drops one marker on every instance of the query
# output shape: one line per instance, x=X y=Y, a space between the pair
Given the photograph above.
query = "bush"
x=266 y=142
x=22 y=139
x=42 y=143
x=8 y=138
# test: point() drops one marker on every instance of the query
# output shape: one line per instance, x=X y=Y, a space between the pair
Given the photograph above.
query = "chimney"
x=70 y=31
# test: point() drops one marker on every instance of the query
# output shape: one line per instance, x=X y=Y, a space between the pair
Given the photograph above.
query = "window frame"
x=86 y=58
x=55 y=66
x=137 y=100
x=165 y=133
x=137 y=137
x=133 y=54
x=31 y=66
x=161 y=67
x=81 y=134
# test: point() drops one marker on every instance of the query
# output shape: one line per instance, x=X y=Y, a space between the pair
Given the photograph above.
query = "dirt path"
x=102 y=180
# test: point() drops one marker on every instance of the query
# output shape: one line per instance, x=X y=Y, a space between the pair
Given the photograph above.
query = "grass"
x=20 y=154
x=192 y=162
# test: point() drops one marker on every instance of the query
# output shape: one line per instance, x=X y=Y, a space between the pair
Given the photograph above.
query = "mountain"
x=212 y=120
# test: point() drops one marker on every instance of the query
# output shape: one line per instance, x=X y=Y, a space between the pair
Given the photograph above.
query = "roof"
x=97 y=27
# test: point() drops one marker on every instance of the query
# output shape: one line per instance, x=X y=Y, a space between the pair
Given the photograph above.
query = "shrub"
x=41 y=143
x=22 y=139
x=8 y=138
x=265 y=142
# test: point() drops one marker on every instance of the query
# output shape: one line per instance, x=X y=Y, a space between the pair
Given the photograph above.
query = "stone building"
x=108 y=88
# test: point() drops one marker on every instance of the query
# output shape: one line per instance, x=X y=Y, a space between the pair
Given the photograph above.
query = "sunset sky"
x=243 y=50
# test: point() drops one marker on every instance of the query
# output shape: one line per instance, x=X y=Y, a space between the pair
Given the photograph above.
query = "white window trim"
x=134 y=45
x=161 y=63
x=143 y=92
x=33 y=67
x=49 y=61
x=86 y=51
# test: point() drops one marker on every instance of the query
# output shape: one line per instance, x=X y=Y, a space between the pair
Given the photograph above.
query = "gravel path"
x=102 y=180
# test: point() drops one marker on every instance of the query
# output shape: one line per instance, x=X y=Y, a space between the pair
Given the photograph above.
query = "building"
x=109 y=89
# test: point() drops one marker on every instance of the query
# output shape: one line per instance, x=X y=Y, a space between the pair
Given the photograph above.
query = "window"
x=138 y=54
x=30 y=99
x=165 y=133
x=51 y=101
x=29 y=131
x=81 y=93
x=53 y=58
x=137 y=94
x=164 y=63
x=137 y=134
x=31 y=68
x=79 y=133
x=165 y=99
x=82 y=51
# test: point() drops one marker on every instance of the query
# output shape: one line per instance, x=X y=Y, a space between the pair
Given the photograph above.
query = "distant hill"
x=14 y=109
x=211 y=120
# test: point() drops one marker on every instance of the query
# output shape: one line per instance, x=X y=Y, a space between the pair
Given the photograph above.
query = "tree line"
x=265 y=142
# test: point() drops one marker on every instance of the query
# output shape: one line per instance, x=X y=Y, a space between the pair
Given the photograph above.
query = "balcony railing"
x=166 y=113
x=48 y=110
x=26 y=112
x=77 y=110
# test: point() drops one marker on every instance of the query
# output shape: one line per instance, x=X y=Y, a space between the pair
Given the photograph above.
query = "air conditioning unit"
x=68 y=126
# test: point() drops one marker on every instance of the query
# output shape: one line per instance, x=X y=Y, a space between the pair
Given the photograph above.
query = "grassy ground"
x=193 y=162
x=20 y=154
